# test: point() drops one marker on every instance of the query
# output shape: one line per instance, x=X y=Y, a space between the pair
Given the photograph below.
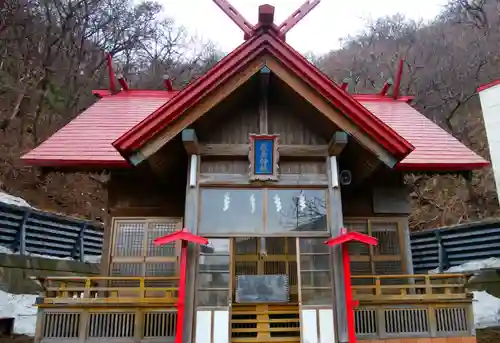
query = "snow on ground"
x=19 y=306
x=486 y=310
x=486 y=307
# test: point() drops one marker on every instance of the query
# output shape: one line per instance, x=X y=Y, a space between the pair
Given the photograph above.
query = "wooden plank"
x=242 y=150
x=337 y=143
x=263 y=103
x=190 y=141
x=243 y=180
x=391 y=200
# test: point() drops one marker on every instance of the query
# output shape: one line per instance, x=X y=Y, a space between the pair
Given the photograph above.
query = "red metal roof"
x=87 y=139
x=228 y=67
x=435 y=149
x=488 y=85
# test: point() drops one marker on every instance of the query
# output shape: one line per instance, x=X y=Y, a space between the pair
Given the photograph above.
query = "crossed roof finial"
x=266 y=17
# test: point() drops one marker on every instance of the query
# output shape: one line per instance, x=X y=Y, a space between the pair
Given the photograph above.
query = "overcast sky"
x=319 y=32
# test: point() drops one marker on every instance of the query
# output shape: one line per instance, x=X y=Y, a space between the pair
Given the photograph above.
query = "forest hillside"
x=52 y=56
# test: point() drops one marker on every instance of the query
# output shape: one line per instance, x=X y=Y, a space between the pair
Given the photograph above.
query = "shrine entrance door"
x=253 y=321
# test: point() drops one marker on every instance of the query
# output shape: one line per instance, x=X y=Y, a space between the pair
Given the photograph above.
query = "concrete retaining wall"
x=16 y=270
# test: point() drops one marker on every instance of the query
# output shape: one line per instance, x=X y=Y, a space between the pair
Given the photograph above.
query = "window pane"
x=315 y=262
x=216 y=246
x=161 y=269
x=315 y=279
x=388 y=238
x=231 y=210
x=313 y=246
x=213 y=280
x=156 y=230
x=317 y=296
x=126 y=269
x=356 y=248
x=215 y=263
x=213 y=298
x=129 y=239
x=296 y=210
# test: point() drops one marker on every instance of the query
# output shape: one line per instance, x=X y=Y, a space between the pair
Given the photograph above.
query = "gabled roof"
x=86 y=140
x=269 y=43
x=435 y=149
x=75 y=144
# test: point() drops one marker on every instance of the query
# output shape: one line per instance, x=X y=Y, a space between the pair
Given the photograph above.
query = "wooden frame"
x=372 y=258
x=294 y=81
x=146 y=221
x=260 y=144
x=264 y=233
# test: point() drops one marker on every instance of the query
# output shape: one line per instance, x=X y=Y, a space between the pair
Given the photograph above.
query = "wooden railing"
x=141 y=309
x=105 y=290
x=407 y=288
x=417 y=306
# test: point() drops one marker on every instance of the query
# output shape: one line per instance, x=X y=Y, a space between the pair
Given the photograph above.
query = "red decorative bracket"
x=298 y=15
x=236 y=17
x=266 y=17
x=344 y=238
x=185 y=237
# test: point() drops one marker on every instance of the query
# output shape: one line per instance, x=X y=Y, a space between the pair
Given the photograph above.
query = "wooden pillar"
x=336 y=222
x=191 y=224
x=407 y=248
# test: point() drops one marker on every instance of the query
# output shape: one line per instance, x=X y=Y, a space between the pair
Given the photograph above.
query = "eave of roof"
x=488 y=85
x=228 y=66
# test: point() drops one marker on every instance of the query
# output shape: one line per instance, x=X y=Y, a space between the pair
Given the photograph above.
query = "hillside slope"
x=445 y=61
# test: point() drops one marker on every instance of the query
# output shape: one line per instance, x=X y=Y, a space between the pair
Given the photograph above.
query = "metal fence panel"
x=459 y=244
x=27 y=230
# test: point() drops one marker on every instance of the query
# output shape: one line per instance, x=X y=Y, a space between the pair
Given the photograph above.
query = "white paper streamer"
x=252 y=202
x=302 y=201
x=277 y=202
x=227 y=201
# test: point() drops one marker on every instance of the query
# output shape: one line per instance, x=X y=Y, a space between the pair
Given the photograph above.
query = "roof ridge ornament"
x=266 y=18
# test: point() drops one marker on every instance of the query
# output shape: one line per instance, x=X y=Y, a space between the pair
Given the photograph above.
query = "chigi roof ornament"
x=266 y=18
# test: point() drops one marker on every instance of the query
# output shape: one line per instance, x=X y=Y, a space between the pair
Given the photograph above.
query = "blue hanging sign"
x=263 y=157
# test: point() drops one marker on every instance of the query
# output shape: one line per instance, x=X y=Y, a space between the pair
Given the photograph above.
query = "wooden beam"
x=202 y=107
x=303 y=151
x=313 y=97
x=263 y=99
x=216 y=179
x=336 y=222
x=190 y=141
x=338 y=143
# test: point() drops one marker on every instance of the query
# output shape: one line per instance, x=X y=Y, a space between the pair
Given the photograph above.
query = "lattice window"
x=315 y=271
x=133 y=252
x=214 y=273
x=387 y=257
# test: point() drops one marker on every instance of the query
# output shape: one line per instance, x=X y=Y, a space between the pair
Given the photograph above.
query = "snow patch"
x=472 y=266
x=13 y=200
x=486 y=310
x=486 y=307
x=21 y=307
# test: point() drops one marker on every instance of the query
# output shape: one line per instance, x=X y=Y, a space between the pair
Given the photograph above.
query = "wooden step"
x=265 y=323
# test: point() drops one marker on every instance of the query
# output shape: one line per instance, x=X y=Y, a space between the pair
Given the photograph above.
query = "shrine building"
x=261 y=203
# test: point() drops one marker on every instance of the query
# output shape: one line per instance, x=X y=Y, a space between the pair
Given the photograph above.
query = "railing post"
x=79 y=244
x=20 y=242
x=139 y=324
